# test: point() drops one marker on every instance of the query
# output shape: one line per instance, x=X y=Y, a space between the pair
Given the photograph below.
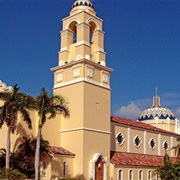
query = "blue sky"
x=142 y=41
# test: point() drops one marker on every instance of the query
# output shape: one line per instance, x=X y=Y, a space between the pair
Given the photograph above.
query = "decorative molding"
x=81 y=80
x=83 y=25
x=90 y=73
x=63 y=49
x=100 y=50
x=75 y=66
x=104 y=72
x=85 y=129
x=89 y=66
x=105 y=78
x=59 y=71
x=66 y=32
x=59 y=78
x=82 y=43
x=76 y=73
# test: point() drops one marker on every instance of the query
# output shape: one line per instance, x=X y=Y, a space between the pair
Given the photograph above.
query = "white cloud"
x=131 y=111
x=177 y=112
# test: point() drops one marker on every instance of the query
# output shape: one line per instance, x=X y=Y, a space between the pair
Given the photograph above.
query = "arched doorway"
x=98 y=168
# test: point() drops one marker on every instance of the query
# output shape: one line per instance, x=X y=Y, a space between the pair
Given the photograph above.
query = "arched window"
x=92 y=28
x=120 y=175
x=140 y=175
x=130 y=175
x=149 y=175
x=73 y=28
x=64 y=168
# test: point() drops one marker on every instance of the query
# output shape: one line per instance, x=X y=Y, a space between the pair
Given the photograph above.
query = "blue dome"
x=160 y=112
x=82 y=3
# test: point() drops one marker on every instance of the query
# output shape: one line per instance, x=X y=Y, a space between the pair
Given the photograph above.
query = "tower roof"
x=82 y=3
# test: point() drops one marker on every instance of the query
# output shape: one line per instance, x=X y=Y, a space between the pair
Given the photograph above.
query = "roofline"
x=155 y=129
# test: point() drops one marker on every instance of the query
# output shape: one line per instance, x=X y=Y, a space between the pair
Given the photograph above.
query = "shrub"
x=11 y=174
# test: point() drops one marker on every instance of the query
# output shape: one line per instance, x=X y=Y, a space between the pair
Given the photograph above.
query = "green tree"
x=47 y=107
x=14 y=102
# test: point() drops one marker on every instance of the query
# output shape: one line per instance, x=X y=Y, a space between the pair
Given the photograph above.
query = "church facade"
x=92 y=144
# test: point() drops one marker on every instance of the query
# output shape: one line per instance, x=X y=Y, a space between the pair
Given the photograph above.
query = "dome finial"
x=156 y=91
x=156 y=99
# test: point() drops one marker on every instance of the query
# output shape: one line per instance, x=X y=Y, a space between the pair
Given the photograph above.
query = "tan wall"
x=115 y=129
x=51 y=130
x=73 y=141
x=54 y=167
x=133 y=134
x=145 y=136
x=149 y=136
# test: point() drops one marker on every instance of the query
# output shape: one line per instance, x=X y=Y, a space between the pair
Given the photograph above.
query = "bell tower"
x=83 y=78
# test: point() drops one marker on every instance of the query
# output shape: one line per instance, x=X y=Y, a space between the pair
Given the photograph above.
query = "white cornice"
x=85 y=129
x=105 y=68
x=78 y=80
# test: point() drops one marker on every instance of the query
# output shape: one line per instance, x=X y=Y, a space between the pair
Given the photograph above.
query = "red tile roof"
x=138 y=124
x=133 y=159
x=60 y=151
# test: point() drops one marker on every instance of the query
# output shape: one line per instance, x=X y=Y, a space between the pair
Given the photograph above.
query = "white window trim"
x=129 y=174
x=139 y=143
x=167 y=144
x=150 y=174
x=121 y=174
x=120 y=144
x=150 y=144
x=141 y=174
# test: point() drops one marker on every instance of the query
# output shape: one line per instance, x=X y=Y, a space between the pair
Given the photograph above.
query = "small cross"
x=97 y=103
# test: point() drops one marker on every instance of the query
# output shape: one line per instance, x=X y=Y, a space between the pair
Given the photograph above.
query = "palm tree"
x=168 y=171
x=177 y=148
x=14 y=102
x=47 y=105
x=23 y=158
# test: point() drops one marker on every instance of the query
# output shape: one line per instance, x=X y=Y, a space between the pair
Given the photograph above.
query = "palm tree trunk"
x=37 y=155
x=8 y=148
